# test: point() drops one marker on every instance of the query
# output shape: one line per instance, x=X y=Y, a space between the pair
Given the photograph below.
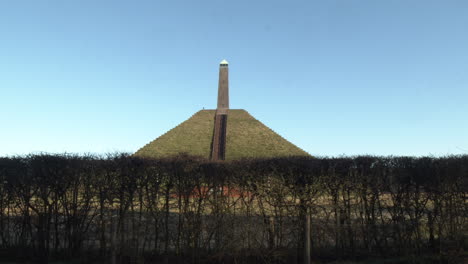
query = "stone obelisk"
x=218 y=146
x=223 y=89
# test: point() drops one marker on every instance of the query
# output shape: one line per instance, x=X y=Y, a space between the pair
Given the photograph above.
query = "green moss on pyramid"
x=246 y=138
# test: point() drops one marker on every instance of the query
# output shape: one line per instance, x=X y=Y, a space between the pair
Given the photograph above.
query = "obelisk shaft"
x=218 y=145
x=223 y=88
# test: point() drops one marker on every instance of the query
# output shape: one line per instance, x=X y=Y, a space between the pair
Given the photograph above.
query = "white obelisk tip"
x=223 y=62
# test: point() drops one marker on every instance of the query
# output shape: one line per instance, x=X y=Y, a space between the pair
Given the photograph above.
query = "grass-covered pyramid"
x=246 y=138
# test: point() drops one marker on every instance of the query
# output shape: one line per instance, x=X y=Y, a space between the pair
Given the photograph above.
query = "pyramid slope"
x=192 y=136
x=246 y=138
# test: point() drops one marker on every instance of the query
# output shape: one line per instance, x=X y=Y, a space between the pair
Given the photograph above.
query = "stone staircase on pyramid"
x=218 y=146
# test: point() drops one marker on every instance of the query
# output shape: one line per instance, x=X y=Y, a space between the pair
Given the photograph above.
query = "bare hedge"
x=120 y=208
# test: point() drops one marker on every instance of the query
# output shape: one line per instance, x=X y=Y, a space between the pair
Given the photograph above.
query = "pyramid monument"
x=221 y=134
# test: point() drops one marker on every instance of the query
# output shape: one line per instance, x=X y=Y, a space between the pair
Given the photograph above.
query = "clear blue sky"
x=333 y=77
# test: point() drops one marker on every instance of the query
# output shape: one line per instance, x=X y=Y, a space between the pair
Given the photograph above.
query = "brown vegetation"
x=121 y=208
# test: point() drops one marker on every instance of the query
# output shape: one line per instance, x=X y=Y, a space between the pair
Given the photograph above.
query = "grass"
x=246 y=138
x=193 y=137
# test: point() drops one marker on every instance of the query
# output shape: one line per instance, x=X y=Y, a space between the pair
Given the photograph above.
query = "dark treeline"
x=123 y=209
